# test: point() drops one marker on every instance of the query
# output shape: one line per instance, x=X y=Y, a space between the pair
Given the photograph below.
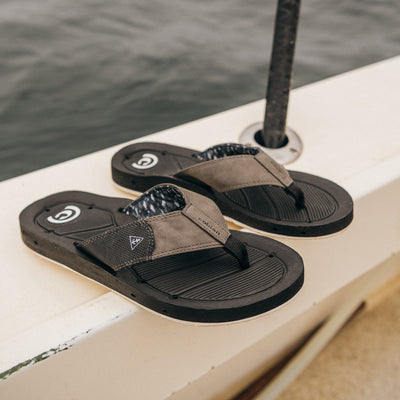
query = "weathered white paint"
x=61 y=332
x=349 y=125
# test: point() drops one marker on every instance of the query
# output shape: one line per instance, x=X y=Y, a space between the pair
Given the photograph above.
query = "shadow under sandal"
x=169 y=251
x=246 y=184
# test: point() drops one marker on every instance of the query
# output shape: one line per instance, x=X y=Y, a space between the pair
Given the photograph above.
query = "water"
x=80 y=76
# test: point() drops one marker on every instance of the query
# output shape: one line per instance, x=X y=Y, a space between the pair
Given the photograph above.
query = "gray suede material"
x=274 y=168
x=214 y=229
x=199 y=207
x=236 y=172
x=174 y=233
x=200 y=225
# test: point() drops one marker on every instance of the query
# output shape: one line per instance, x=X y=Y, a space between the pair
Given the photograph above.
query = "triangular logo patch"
x=134 y=241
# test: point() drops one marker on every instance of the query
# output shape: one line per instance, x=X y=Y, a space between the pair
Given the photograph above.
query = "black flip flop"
x=246 y=184
x=170 y=251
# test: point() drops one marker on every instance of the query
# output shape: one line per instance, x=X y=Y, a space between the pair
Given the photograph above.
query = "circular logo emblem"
x=147 y=161
x=67 y=215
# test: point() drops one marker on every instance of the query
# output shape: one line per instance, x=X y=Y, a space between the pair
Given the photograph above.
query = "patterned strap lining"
x=157 y=201
x=226 y=150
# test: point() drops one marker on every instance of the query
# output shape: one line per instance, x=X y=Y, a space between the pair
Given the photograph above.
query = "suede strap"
x=240 y=171
x=198 y=226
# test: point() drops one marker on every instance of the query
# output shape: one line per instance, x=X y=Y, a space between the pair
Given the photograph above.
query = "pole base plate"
x=286 y=154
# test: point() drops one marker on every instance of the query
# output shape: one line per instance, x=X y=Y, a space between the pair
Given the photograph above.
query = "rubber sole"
x=328 y=207
x=206 y=286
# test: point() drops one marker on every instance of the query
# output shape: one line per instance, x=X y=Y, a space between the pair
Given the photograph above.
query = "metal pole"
x=280 y=73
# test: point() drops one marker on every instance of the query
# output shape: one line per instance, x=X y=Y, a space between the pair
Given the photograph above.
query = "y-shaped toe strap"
x=297 y=193
x=239 y=250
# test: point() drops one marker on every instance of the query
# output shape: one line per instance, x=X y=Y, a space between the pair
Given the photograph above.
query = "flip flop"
x=247 y=185
x=169 y=251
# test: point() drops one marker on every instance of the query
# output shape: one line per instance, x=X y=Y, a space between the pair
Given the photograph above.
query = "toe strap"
x=295 y=190
x=239 y=250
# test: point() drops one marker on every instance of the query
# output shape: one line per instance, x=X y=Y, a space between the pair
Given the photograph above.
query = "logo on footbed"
x=147 y=161
x=69 y=214
x=134 y=241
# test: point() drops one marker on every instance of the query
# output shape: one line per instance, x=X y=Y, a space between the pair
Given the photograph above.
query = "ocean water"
x=79 y=76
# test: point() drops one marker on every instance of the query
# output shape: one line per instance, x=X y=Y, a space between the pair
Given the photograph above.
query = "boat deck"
x=361 y=363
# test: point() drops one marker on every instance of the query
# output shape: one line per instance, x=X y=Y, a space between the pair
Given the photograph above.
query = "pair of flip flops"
x=170 y=250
